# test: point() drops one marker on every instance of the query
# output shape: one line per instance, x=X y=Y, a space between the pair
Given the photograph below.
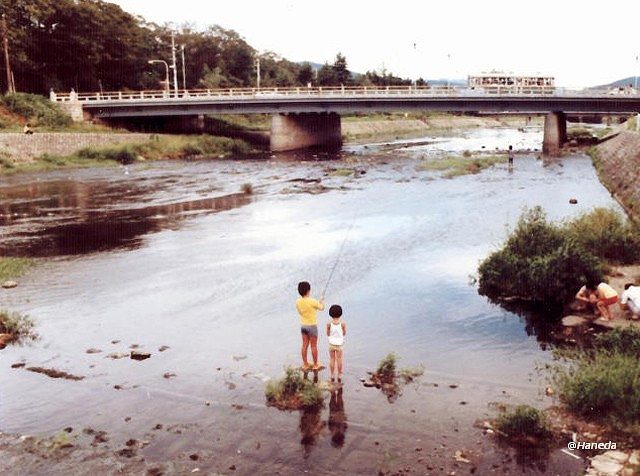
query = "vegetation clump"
x=293 y=392
x=11 y=268
x=388 y=377
x=37 y=110
x=546 y=262
x=603 y=382
x=468 y=164
x=525 y=425
x=15 y=327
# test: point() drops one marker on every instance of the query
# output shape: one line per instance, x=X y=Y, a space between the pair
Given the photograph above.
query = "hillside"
x=620 y=83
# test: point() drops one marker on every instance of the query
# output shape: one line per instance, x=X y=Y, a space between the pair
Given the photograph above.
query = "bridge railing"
x=347 y=91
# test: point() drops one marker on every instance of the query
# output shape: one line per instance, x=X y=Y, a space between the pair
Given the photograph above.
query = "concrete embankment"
x=23 y=147
x=618 y=164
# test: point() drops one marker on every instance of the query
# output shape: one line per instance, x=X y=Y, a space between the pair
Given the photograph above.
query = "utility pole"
x=11 y=86
x=173 y=63
x=184 y=71
x=258 y=73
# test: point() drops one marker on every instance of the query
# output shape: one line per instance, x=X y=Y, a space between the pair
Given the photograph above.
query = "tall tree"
x=340 y=72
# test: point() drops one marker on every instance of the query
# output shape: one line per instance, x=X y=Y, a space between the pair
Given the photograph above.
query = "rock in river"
x=9 y=284
x=137 y=355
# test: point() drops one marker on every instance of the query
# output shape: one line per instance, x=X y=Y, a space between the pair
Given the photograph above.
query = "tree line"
x=91 y=45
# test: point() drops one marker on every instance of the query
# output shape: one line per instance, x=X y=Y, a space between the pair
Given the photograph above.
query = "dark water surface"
x=175 y=256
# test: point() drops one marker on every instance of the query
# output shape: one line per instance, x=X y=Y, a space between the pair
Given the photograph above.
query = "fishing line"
x=335 y=264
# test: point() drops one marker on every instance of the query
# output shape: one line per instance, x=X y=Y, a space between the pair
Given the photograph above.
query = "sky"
x=580 y=43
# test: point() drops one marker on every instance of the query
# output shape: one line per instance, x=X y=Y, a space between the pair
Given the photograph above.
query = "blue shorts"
x=311 y=331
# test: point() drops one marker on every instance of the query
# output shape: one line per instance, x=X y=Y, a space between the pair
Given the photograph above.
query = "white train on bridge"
x=510 y=83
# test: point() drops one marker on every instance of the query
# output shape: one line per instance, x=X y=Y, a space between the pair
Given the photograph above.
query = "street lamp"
x=166 y=81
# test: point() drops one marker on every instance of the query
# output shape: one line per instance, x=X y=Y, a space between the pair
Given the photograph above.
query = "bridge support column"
x=297 y=131
x=555 y=133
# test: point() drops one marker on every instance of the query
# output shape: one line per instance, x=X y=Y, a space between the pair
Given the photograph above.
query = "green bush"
x=623 y=341
x=16 y=324
x=608 y=235
x=524 y=421
x=386 y=371
x=125 y=154
x=38 y=110
x=293 y=391
x=603 y=382
x=604 y=386
x=539 y=262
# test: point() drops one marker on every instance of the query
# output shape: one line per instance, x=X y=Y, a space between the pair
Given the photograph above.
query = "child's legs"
x=604 y=310
x=332 y=361
x=314 y=348
x=305 y=346
x=339 y=358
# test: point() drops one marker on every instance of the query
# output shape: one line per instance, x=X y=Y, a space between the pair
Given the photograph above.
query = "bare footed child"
x=336 y=330
x=307 y=309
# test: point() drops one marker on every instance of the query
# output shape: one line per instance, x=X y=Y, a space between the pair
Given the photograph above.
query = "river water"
x=176 y=255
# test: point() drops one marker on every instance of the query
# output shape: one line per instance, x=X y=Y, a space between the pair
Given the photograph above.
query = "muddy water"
x=175 y=256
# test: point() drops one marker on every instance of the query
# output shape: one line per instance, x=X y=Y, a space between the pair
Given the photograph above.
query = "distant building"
x=498 y=82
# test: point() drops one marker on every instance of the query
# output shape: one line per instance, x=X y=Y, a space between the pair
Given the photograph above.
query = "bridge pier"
x=297 y=131
x=555 y=133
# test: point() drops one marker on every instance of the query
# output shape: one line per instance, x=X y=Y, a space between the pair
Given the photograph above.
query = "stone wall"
x=23 y=147
x=618 y=164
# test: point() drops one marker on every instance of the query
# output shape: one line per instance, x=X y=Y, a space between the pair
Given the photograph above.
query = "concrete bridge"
x=304 y=117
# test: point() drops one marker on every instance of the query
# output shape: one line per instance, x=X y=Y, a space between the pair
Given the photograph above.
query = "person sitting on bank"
x=601 y=296
x=630 y=300
x=27 y=129
x=307 y=309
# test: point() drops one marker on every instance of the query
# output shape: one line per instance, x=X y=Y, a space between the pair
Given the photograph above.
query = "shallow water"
x=174 y=255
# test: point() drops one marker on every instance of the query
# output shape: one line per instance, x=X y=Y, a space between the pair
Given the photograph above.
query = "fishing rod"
x=335 y=264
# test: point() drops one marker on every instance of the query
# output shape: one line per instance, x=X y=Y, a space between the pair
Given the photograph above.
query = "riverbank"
x=359 y=128
x=617 y=161
x=47 y=151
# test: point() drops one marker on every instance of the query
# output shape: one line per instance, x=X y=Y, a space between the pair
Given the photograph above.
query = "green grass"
x=18 y=325
x=524 y=422
x=39 y=111
x=156 y=148
x=603 y=383
x=250 y=122
x=12 y=268
x=342 y=172
x=455 y=166
x=293 y=391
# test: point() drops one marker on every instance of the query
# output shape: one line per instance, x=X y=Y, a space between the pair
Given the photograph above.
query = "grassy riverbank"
x=157 y=147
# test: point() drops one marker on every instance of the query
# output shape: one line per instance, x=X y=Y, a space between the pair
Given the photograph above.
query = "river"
x=174 y=255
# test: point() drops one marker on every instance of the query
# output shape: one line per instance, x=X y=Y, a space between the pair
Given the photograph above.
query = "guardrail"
x=329 y=92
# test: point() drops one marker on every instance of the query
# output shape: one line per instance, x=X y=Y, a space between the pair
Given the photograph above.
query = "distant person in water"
x=336 y=330
x=307 y=309
x=510 y=156
x=601 y=296
x=630 y=300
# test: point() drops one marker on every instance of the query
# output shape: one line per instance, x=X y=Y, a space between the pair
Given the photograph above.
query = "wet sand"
x=175 y=256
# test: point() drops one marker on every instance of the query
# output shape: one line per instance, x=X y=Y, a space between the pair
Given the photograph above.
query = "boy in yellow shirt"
x=307 y=309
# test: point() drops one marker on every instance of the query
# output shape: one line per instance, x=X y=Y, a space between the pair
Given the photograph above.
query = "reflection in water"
x=337 y=419
x=88 y=231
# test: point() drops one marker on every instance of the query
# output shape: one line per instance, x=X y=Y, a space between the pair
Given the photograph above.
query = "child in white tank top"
x=336 y=330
